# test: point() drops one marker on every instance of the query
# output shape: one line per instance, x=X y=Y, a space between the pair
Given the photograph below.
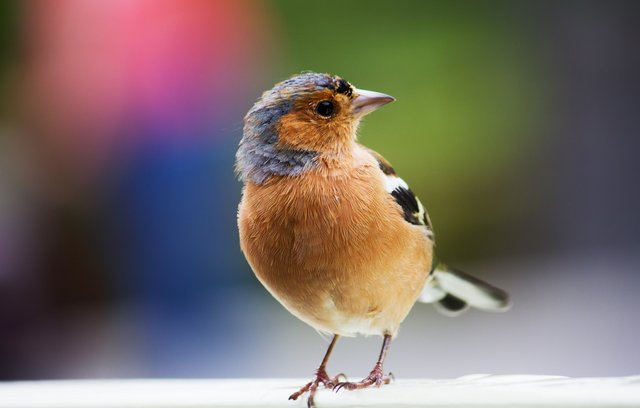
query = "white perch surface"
x=469 y=391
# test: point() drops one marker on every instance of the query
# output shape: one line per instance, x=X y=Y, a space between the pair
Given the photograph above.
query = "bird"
x=331 y=230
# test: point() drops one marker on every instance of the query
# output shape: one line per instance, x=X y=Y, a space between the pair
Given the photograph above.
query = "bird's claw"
x=321 y=377
x=376 y=377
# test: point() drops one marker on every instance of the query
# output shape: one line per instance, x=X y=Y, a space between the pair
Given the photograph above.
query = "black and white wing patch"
x=413 y=209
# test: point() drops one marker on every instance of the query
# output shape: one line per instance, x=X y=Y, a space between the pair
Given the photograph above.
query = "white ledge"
x=469 y=391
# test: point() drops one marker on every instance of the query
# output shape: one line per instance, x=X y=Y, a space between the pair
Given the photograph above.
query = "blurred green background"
x=515 y=123
x=470 y=105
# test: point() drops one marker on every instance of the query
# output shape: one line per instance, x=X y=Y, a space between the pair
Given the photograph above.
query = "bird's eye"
x=325 y=108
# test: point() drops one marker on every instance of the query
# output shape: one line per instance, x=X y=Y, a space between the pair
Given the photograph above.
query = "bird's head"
x=299 y=119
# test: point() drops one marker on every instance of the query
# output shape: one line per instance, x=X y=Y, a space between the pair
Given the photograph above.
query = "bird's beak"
x=368 y=101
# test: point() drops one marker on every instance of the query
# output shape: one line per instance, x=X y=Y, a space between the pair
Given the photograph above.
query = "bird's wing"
x=452 y=291
x=413 y=210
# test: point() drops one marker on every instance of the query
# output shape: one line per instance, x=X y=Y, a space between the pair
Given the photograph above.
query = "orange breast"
x=334 y=249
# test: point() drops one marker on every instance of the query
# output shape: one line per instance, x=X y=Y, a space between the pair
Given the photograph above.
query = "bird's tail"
x=453 y=291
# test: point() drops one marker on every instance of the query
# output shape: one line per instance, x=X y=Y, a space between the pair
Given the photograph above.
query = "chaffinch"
x=330 y=229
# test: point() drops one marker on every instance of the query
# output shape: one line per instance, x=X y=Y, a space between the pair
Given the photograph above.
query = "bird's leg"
x=376 y=376
x=321 y=377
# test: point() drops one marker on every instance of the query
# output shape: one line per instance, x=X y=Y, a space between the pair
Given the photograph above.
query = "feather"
x=412 y=209
x=451 y=306
x=452 y=290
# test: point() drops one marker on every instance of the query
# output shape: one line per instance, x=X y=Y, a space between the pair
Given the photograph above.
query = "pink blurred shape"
x=99 y=71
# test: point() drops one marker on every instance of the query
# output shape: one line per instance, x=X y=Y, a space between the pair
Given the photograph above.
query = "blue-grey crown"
x=258 y=157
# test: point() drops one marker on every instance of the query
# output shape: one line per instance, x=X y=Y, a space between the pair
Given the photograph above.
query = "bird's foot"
x=376 y=377
x=321 y=377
